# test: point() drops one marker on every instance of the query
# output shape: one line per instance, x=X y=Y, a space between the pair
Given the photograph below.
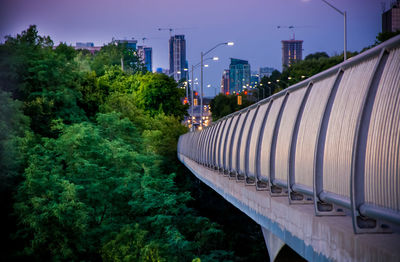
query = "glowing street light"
x=202 y=54
x=215 y=58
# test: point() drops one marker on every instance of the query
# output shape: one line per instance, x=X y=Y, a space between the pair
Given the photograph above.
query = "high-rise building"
x=225 y=82
x=177 y=57
x=391 y=18
x=145 y=55
x=292 y=51
x=239 y=75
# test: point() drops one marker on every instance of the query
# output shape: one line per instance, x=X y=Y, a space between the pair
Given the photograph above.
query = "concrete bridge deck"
x=317 y=165
x=316 y=238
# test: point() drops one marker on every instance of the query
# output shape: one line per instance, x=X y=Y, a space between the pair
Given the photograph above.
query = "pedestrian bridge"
x=318 y=164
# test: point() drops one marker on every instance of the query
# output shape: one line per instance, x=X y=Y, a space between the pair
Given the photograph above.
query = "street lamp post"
x=215 y=58
x=263 y=92
x=345 y=27
x=201 y=75
x=187 y=84
x=192 y=104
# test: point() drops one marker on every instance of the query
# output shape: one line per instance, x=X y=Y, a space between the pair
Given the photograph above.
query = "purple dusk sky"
x=251 y=24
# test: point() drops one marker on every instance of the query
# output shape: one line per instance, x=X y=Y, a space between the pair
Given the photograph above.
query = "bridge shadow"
x=242 y=234
x=286 y=254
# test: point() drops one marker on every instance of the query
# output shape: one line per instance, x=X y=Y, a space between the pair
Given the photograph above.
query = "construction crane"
x=291 y=27
x=173 y=29
x=288 y=27
x=165 y=29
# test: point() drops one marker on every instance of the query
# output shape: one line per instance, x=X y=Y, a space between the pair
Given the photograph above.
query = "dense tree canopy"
x=223 y=105
x=88 y=159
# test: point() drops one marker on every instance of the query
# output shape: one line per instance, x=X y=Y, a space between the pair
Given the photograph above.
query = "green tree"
x=114 y=55
x=223 y=105
x=316 y=56
x=97 y=177
x=159 y=93
x=46 y=80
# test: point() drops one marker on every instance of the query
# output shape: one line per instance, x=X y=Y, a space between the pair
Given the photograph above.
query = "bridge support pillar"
x=274 y=243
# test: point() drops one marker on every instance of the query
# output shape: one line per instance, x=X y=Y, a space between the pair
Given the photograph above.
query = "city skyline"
x=253 y=26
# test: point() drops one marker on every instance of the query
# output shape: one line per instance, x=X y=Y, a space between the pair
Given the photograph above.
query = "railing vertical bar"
x=259 y=140
x=321 y=137
x=231 y=143
x=274 y=141
x=360 y=144
x=246 y=152
x=292 y=150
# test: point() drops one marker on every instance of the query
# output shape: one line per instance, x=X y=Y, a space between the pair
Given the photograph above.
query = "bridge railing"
x=332 y=140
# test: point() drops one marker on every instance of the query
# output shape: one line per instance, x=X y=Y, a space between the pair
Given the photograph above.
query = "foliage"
x=297 y=72
x=153 y=93
x=383 y=36
x=114 y=55
x=159 y=93
x=316 y=56
x=45 y=80
x=88 y=159
x=223 y=105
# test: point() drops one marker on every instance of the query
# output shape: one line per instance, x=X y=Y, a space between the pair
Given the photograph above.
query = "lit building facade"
x=239 y=75
x=225 y=82
x=146 y=56
x=292 y=51
x=177 y=57
x=254 y=79
x=391 y=18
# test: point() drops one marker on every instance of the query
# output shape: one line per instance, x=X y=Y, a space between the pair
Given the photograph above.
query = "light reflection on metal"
x=349 y=125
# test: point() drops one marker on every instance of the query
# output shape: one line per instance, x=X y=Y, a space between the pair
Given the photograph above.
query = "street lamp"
x=202 y=54
x=214 y=58
x=187 y=85
x=345 y=27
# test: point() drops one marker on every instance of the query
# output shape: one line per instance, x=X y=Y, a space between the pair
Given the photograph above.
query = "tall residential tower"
x=391 y=18
x=177 y=57
x=292 y=51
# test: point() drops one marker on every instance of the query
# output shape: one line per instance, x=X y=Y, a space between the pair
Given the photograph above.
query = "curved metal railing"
x=332 y=140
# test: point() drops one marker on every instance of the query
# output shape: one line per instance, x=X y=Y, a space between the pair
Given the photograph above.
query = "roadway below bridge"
x=316 y=238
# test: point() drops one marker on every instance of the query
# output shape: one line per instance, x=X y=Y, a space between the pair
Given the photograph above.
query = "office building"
x=391 y=18
x=292 y=51
x=239 y=75
x=177 y=57
x=225 y=82
x=146 y=56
